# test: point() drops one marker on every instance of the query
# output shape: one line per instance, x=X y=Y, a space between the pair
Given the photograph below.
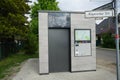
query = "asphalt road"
x=106 y=55
x=106 y=58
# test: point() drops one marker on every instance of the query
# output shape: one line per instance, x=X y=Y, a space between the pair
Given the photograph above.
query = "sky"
x=80 y=5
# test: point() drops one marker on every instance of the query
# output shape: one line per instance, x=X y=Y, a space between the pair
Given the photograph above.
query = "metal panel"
x=59 y=50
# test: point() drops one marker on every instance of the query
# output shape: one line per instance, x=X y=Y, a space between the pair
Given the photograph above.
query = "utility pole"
x=116 y=12
x=117 y=39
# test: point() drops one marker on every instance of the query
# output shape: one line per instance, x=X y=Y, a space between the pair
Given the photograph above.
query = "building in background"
x=107 y=24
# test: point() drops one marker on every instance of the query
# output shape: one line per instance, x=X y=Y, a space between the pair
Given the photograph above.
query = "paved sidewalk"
x=29 y=71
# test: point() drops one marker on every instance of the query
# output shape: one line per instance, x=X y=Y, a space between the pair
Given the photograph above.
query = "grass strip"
x=12 y=61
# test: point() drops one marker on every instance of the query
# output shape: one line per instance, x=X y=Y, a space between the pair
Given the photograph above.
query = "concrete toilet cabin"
x=66 y=42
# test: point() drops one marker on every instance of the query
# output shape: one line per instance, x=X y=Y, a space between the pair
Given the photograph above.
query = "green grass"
x=13 y=61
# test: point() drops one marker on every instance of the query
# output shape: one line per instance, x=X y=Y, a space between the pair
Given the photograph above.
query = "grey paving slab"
x=29 y=71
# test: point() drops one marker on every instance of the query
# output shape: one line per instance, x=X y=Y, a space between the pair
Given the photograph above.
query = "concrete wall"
x=78 y=21
x=43 y=43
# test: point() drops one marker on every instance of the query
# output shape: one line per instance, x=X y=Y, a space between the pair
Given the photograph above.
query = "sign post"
x=117 y=39
x=102 y=14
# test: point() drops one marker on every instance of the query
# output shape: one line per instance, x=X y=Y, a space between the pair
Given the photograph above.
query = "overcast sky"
x=80 y=5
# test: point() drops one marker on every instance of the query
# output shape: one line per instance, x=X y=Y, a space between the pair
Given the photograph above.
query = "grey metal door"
x=59 y=50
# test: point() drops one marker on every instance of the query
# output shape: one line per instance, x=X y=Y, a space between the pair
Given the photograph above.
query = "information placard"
x=82 y=42
x=82 y=35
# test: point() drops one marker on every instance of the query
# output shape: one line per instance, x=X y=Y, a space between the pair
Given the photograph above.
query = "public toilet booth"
x=66 y=42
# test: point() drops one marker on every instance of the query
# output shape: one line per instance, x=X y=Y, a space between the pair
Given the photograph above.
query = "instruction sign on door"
x=82 y=42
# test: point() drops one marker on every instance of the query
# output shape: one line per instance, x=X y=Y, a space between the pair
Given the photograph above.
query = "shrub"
x=31 y=44
x=108 y=40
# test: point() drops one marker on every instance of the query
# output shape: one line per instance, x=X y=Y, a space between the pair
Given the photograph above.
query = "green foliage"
x=41 y=5
x=12 y=61
x=44 y=5
x=108 y=40
x=32 y=39
x=34 y=25
x=31 y=44
x=12 y=19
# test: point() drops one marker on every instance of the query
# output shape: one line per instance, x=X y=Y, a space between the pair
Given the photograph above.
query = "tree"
x=41 y=5
x=12 y=23
x=33 y=35
x=12 y=19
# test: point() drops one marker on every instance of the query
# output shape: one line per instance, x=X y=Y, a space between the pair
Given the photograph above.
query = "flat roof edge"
x=48 y=11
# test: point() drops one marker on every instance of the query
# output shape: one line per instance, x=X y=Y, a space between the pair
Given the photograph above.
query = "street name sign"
x=97 y=14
